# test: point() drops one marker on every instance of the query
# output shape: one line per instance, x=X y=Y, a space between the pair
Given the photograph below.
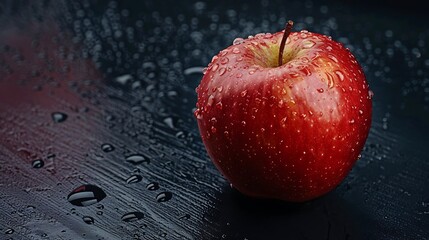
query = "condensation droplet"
x=320 y=90
x=38 y=163
x=222 y=71
x=86 y=195
x=106 y=147
x=132 y=216
x=88 y=220
x=164 y=196
x=238 y=41
x=58 y=117
x=215 y=67
x=135 y=178
x=370 y=94
x=340 y=75
x=136 y=159
x=333 y=58
x=224 y=60
x=236 y=50
x=152 y=186
x=308 y=44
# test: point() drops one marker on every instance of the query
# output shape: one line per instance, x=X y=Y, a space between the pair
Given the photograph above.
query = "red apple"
x=284 y=123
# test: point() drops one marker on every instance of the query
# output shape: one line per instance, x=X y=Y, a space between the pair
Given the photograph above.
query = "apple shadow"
x=235 y=216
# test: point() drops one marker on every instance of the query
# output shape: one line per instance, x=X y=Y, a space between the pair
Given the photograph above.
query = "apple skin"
x=289 y=132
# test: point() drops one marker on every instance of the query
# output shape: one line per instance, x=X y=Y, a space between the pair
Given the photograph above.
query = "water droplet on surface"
x=193 y=70
x=169 y=122
x=224 y=60
x=308 y=44
x=106 y=147
x=164 y=196
x=58 y=117
x=135 y=178
x=38 y=163
x=352 y=121
x=9 y=231
x=132 y=216
x=124 y=79
x=152 y=186
x=320 y=90
x=219 y=105
x=136 y=159
x=86 y=195
x=243 y=93
x=88 y=219
x=238 y=41
x=235 y=50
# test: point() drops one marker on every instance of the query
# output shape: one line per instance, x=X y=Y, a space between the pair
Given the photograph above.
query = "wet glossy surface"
x=102 y=94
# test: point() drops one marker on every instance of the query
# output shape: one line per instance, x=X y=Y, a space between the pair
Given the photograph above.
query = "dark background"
x=124 y=74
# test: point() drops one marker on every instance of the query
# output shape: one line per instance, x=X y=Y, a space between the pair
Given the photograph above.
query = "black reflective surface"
x=102 y=94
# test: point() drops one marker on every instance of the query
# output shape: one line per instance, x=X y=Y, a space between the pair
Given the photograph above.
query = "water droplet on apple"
x=251 y=72
x=308 y=44
x=243 y=93
x=215 y=67
x=213 y=129
x=223 y=52
x=268 y=35
x=237 y=41
x=333 y=58
x=370 y=94
x=224 y=60
x=198 y=114
x=360 y=112
x=243 y=123
x=283 y=121
x=222 y=71
x=320 y=90
x=204 y=70
x=239 y=75
x=250 y=37
x=352 y=121
x=330 y=80
x=235 y=50
x=210 y=100
x=340 y=75
x=219 y=105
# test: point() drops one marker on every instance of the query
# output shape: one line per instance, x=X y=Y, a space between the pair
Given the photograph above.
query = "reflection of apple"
x=288 y=127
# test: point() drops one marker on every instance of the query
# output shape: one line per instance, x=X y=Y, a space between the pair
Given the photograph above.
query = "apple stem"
x=286 y=33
